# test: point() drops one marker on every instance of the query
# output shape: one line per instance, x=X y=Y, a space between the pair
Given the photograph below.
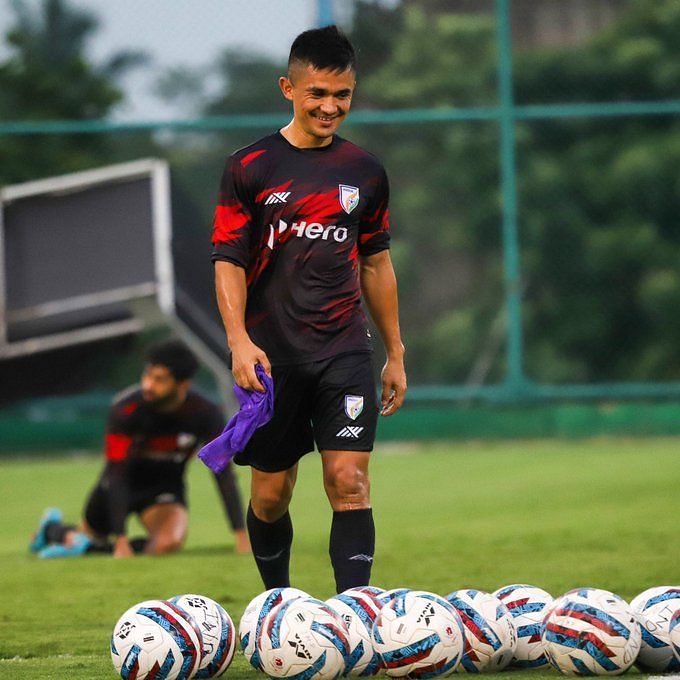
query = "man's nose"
x=328 y=105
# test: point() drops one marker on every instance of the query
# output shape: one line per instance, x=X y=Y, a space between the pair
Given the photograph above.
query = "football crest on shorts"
x=354 y=405
x=349 y=197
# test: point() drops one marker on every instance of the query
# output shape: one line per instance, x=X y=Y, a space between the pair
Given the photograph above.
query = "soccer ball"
x=371 y=590
x=490 y=635
x=674 y=634
x=305 y=638
x=254 y=615
x=418 y=635
x=358 y=609
x=388 y=595
x=527 y=605
x=651 y=596
x=156 y=639
x=591 y=632
x=655 y=608
x=217 y=633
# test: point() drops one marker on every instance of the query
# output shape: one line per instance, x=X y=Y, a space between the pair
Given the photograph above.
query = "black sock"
x=56 y=531
x=271 y=543
x=351 y=548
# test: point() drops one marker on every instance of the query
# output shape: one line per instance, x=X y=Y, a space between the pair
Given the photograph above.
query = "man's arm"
x=230 y=286
x=231 y=497
x=118 y=500
x=379 y=289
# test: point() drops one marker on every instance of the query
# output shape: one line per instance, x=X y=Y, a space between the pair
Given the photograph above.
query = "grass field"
x=554 y=514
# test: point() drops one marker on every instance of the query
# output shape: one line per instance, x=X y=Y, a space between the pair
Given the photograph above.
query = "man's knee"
x=270 y=497
x=164 y=544
x=347 y=486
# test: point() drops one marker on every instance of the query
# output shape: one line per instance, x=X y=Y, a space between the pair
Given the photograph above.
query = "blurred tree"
x=600 y=200
x=599 y=197
x=48 y=76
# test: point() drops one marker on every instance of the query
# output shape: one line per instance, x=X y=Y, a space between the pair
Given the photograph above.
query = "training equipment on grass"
x=358 y=609
x=217 y=633
x=527 y=605
x=388 y=595
x=649 y=597
x=156 y=639
x=655 y=609
x=254 y=615
x=591 y=632
x=674 y=630
x=418 y=635
x=490 y=635
x=303 y=638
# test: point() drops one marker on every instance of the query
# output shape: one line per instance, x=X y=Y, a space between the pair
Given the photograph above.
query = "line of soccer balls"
x=284 y=632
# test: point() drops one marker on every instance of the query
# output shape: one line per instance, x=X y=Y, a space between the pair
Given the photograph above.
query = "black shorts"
x=331 y=402
x=97 y=506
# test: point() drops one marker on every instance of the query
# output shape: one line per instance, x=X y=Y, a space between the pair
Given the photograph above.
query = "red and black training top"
x=297 y=220
x=147 y=452
x=156 y=445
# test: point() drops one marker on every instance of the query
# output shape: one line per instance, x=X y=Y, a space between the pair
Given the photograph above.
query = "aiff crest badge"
x=354 y=405
x=349 y=197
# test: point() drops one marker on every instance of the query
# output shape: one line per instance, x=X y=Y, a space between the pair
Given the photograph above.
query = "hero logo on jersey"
x=354 y=405
x=349 y=197
x=313 y=231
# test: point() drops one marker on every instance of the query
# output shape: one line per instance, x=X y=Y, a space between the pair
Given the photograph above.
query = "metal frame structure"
x=162 y=288
x=154 y=301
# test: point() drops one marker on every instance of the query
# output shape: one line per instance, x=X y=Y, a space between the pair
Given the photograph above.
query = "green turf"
x=555 y=514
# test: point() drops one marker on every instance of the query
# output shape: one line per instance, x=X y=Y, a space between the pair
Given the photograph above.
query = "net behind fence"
x=532 y=149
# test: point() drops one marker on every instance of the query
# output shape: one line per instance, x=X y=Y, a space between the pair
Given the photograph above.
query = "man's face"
x=321 y=98
x=159 y=386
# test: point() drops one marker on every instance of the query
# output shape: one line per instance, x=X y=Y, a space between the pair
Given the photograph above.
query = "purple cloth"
x=255 y=409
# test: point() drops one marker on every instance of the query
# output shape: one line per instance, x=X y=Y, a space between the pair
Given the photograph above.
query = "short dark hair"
x=176 y=357
x=323 y=48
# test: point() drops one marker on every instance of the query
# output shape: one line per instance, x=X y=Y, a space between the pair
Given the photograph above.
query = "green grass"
x=555 y=514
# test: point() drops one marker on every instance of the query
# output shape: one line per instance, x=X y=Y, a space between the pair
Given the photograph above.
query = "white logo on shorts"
x=350 y=432
x=166 y=498
x=354 y=405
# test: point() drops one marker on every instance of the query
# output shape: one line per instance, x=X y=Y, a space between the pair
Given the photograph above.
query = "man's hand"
x=244 y=355
x=393 y=386
x=122 y=548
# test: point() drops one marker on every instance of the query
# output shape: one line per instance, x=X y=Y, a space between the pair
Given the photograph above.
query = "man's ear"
x=286 y=87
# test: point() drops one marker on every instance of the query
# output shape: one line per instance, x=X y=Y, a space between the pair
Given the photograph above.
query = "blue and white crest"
x=354 y=405
x=349 y=197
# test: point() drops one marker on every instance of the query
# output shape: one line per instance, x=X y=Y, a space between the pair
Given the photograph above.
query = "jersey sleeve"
x=118 y=442
x=374 y=228
x=232 y=224
x=118 y=438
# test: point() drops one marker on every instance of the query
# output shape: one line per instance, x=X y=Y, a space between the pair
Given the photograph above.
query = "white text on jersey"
x=313 y=230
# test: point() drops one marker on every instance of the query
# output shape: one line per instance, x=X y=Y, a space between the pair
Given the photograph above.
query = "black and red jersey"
x=155 y=445
x=297 y=221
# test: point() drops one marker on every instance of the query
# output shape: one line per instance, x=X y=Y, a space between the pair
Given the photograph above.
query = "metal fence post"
x=514 y=378
x=325 y=12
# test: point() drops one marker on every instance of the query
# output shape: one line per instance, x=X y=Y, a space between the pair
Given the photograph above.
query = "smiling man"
x=301 y=232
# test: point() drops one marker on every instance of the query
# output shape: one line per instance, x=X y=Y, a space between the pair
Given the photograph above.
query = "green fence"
x=535 y=196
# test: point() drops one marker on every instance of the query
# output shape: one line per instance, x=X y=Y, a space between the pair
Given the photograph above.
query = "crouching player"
x=153 y=430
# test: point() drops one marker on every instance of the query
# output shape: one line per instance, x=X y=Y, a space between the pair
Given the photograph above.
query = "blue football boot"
x=39 y=541
x=79 y=547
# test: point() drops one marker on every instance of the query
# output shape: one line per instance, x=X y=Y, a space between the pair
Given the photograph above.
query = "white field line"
x=27 y=659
